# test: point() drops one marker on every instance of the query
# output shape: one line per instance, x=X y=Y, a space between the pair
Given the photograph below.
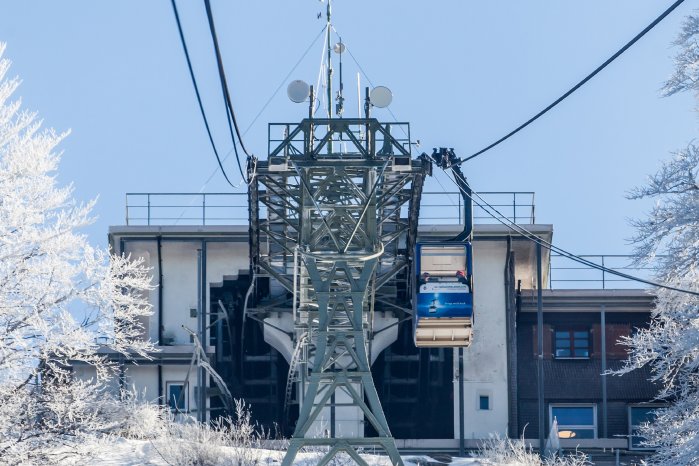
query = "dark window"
x=574 y=421
x=638 y=416
x=177 y=396
x=484 y=402
x=572 y=343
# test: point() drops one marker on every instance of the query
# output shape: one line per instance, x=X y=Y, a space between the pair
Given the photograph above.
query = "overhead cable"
x=224 y=88
x=577 y=86
x=497 y=215
x=269 y=100
x=196 y=91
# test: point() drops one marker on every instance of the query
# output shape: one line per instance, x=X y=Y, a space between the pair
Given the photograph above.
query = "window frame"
x=487 y=393
x=184 y=385
x=571 y=330
x=594 y=426
x=631 y=426
x=481 y=396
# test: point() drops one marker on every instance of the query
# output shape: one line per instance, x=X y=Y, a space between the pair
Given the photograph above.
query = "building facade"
x=203 y=288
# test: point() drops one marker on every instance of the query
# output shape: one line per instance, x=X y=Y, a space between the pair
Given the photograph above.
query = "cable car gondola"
x=443 y=299
x=444 y=294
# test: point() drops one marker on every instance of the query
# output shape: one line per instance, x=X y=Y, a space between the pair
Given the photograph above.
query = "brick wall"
x=579 y=380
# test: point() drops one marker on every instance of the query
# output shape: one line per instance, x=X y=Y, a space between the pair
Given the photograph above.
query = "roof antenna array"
x=340 y=106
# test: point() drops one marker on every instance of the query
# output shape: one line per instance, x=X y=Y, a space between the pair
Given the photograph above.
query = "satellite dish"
x=339 y=47
x=298 y=91
x=381 y=96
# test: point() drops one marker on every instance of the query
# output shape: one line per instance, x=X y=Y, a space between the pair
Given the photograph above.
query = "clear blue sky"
x=462 y=72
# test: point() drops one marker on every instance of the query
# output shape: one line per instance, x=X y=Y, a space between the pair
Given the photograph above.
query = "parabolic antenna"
x=339 y=47
x=298 y=91
x=381 y=96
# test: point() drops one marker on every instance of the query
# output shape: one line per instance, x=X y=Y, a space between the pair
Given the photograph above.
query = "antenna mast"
x=329 y=83
x=338 y=228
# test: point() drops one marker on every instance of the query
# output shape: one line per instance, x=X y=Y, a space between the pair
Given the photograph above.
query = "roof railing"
x=446 y=207
x=232 y=208
x=566 y=274
x=437 y=207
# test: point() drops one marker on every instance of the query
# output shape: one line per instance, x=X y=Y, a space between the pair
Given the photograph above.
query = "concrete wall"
x=485 y=361
x=144 y=380
x=179 y=261
x=148 y=250
x=179 y=290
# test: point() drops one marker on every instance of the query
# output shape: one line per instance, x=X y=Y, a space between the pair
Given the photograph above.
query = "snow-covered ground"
x=143 y=452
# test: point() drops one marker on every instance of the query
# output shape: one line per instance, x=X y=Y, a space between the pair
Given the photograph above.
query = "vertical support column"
x=161 y=328
x=201 y=330
x=202 y=333
x=200 y=309
x=603 y=336
x=160 y=290
x=462 y=442
x=369 y=219
x=540 y=350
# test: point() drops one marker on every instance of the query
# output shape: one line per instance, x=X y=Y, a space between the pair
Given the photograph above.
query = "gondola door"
x=443 y=298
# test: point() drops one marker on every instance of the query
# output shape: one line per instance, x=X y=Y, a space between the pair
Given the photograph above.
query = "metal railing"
x=567 y=274
x=186 y=208
x=447 y=207
x=232 y=208
x=278 y=134
x=437 y=207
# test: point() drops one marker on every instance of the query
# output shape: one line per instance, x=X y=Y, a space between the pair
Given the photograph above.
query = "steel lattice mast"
x=334 y=222
x=334 y=229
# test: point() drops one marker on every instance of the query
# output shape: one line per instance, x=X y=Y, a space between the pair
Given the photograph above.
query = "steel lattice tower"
x=336 y=229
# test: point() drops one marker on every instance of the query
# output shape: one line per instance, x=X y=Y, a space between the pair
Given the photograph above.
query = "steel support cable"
x=356 y=62
x=577 y=86
x=196 y=91
x=497 y=215
x=264 y=107
x=316 y=100
x=230 y=114
x=298 y=62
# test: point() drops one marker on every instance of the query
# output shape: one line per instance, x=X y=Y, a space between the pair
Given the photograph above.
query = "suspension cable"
x=577 y=86
x=196 y=91
x=501 y=218
x=230 y=114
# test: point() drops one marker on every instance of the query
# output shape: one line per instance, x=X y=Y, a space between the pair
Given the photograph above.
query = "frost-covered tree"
x=670 y=235
x=57 y=296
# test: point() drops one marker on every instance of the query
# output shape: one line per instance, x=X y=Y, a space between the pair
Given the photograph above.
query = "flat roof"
x=587 y=300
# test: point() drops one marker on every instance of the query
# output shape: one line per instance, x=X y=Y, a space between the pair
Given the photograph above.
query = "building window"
x=572 y=342
x=638 y=416
x=577 y=421
x=484 y=402
x=177 y=397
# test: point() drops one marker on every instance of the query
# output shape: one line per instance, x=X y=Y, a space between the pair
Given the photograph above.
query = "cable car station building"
x=202 y=273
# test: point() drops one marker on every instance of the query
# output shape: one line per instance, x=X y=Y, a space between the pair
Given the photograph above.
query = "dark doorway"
x=416 y=388
x=250 y=367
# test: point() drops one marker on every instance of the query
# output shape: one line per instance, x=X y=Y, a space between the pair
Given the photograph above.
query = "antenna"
x=381 y=96
x=298 y=91
x=340 y=107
